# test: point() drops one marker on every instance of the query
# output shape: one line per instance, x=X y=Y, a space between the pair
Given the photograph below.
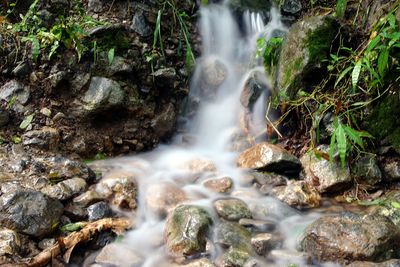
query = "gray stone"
x=263 y=243
x=10 y=242
x=17 y=89
x=392 y=170
x=95 y=5
x=389 y=263
x=388 y=207
x=120 y=255
x=234 y=258
x=30 y=212
x=99 y=211
x=186 y=230
x=350 y=237
x=87 y=198
x=291 y=6
x=213 y=73
x=219 y=185
x=102 y=94
x=79 y=81
x=269 y=157
x=258 y=225
x=297 y=194
x=325 y=175
x=254 y=86
x=165 y=76
x=23 y=69
x=65 y=189
x=366 y=170
x=119 y=65
x=140 y=24
x=163 y=197
x=46 y=138
x=232 y=209
x=164 y=122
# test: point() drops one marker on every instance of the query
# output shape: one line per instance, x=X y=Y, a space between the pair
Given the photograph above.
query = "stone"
x=163 y=197
x=30 y=212
x=232 y=209
x=65 y=189
x=268 y=180
x=291 y=7
x=79 y=81
x=388 y=207
x=234 y=258
x=17 y=89
x=263 y=243
x=305 y=48
x=95 y=6
x=213 y=73
x=140 y=24
x=87 y=198
x=366 y=170
x=21 y=70
x=46 y=112
x=269 y=157
x=350 y=237
x=186 y=230
x=389 y=263
x=254 y=86
x=10 y=242
x=219 y=185
x=298 y=194
x=4 y=117
x=61 y=168
x=165 y=76
x=117 y=254
x=46 y=138
x=392 y=171
x=200 y=165
x=164 y=122
x=325 y=175
x=98 y=211
x=103 y=93
x=47 y=243
x=119 y=66
x=258 y=225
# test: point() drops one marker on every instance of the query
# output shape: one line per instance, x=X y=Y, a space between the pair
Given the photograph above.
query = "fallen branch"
x=68 y=243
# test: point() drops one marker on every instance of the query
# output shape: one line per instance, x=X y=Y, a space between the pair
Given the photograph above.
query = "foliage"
x=269 y=51
x=341 y=8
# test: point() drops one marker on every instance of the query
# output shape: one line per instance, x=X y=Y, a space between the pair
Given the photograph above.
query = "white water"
x=212 y=128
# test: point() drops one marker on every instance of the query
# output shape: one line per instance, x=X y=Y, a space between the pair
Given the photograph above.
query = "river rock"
x=213 y=73
x=103 y=93
x=62 y=168
x=351 y=237
x=389 y=263
x=269 y=157
x=266 y=181
x=306 y=46
x=46 y=138
x=232 y=209
x=258 y=225
x=392 y=171
x=10 y=242
x=219 y=185
x=298 y=194
x=163 y=197
x=389 y=207
x=87 y=198
x=30 y=212
x=234 y=258
x=164 y=122
x=291 y=7
x=65 y=189
x=17 y=89
x=165 y=76
x=200 y=165
x=254 y=86
x=186 y=230
x=366 y=170
x=323 y=174
x=98 y=211
x=120 y=255
x=233 y=235
x=264 y=243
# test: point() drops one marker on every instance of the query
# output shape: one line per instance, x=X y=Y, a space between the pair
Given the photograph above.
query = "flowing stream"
x=185 y=165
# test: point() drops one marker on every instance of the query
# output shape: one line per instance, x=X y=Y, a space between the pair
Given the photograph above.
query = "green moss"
x=290 y=76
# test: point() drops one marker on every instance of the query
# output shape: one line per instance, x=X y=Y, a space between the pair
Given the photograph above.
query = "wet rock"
x=306 y=46
x=233 y=235
x=232 y=209
x=263 y=243
x=87 y=198
x=389 y=207
x=63 y=168
x=65 y=189
x=258 y=225
x=366 y=170
x=350 y=237
x=120 y=188
x=291 y=7
x=118 y=255
x=119 y=66
x=23 y=69
x=213 y=73
x=298 y=194
x=46 y=138
x=325 y=175
x=269 y=157
x=163 y=197
x=10 y=242
x=234 y=258
x=164 y=122
x=140 y=24
x=389 y=263
x=199 y=263
x=165 y=76
x=268 y=180
x=14 y=88
x=392 y=171
x=98 y=211
x=271 y=208
x=255 y=85
x=186 y=230
x=30 y=212
x=4 y=117
x=200 y=165
x=219 y=185
x=103 y=93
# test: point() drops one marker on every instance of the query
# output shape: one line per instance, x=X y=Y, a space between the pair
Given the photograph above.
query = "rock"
x=4 y=117
x=10 y=242
x=351 y=237
x=30 y=212
x=297 y=194
x=117 y=254
x=199 y=263
x=79 y=81
x=258 y=225
x=263 y=243
x=163 y=197
x=389 y=263
x=366 y=170
x=119 y=66
x=251 y=5
x=219 y=185
x=291 y=7
x=140 y=24
x=213 y=73
x=164 y=122
x=254 y=86
x=62 y=168
x=268 y=180
x=165 y=76
x=235 y=258
x=23 y=69
x=325 y=175
x=306 y=46
x=46 y=112
x=200 y=165
x=106 y=30
x=95 y=6
x=269 y=157
x=186 y=230
x=392 y=171
x=388 y=207
x=98 y=211
x=232 y=209
x=65 y=189
x=87 y=198
x=233 y=235
x=103 y=93
x=46 y=138
x=14 y=88
x=120 y=188
x=46 y=243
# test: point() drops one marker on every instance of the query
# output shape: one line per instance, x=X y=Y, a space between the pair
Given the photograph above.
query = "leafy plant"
x=341 y=8
x=269 y=51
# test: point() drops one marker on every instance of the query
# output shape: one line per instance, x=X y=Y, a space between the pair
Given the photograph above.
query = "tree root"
x=68 y=243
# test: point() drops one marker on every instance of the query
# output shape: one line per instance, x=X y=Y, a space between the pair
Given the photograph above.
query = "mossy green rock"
x=305 y=48
x=384 y=123
x=186 y=230
x=233 y=235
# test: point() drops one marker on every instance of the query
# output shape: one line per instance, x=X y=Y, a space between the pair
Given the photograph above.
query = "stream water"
x=177 y=165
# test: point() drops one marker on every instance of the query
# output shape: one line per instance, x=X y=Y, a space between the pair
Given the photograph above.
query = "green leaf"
x=354 y=136
x=25 y=123
x=72 y=227
x=111 y=53
x=341 y=143
x=395 y=204
x=355 y=75
x=16 y=139
x=332 y=146
x=371 y=203
x=383 y=60
x=11 y=102
x=392 y=20
x=372 y=44
x=341 y=8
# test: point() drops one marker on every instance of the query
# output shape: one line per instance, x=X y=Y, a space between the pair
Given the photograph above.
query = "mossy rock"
x=304 y=50
x=384 y=123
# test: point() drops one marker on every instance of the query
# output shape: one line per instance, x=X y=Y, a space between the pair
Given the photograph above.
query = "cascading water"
x=226 y=57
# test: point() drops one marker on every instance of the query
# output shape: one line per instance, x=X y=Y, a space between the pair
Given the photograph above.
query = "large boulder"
x=186 y=230
x=269 y=157
x=351 y=237
x=306 y=46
